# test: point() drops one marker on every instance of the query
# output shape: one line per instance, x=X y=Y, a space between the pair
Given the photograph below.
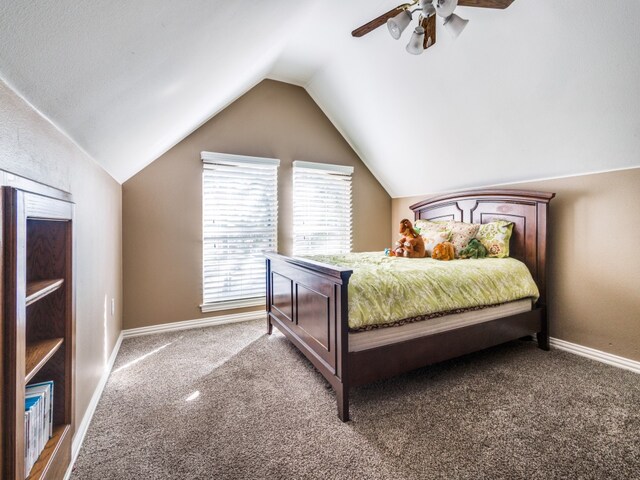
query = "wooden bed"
x=308 y=301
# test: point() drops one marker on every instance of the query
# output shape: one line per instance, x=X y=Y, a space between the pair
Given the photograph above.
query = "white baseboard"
x=197 y=323
x=83 y=426
x=594 y=354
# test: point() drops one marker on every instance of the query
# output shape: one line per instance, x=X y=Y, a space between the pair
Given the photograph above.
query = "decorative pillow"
x=432 y=233
x=495 y=237
x=461 y=234
x=431 y=239
x=439 y=225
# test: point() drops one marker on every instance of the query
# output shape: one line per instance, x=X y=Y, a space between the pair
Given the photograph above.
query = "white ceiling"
x=543 y=88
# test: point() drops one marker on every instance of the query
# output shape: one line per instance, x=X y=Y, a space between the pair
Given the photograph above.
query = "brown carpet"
x=263 y=412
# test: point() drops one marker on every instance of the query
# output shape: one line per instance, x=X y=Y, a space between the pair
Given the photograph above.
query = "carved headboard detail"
x=526 y=209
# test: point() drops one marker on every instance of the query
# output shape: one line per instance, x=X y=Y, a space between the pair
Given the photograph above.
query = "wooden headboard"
x=526 y=209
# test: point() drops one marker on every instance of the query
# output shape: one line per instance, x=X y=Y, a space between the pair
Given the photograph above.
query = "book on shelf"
x=31 y=411
x=38 y=406
x=47 y=389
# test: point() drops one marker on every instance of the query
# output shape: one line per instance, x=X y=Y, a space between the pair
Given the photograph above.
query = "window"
x=321 y=208
x=240 y=223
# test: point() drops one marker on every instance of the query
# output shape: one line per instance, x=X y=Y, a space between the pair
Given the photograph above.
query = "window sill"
x=231 y=304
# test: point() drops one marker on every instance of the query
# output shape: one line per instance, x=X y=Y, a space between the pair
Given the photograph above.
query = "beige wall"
x=162 y=210
x=594 y=267
x=30 y=146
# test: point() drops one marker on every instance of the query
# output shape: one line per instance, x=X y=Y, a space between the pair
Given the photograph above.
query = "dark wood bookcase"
x=38 y=322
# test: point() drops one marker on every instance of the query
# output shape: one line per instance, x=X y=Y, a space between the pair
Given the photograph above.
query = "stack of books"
x=38 y=421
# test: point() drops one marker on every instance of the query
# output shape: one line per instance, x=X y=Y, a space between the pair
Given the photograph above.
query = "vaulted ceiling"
x=543 y=88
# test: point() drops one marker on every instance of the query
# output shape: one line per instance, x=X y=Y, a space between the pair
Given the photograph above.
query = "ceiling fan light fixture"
x=427 y=8
x=399 y=18
x=416 y=44
x=445 y=8
x=397 y=24
x=455 y=25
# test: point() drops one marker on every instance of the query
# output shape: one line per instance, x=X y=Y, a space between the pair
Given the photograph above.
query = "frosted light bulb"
x=455 y=25
x=416 y=44
x=397 y=24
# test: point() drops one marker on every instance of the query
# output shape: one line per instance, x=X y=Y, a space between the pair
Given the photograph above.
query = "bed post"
x=543 y=335
x=268 y=296
x=342 y=396
x=342 y=392
x=542 y=237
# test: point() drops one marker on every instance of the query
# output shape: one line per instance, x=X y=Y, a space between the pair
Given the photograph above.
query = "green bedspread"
x=388 y=289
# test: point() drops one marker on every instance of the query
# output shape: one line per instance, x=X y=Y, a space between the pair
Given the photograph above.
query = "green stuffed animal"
x=474 y=249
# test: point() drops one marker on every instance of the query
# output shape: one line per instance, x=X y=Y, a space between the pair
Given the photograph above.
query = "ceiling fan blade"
x=376 y=22
x=429 y=25
x=485 y=3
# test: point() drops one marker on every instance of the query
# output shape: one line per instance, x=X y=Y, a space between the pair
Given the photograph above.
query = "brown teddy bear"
x=444 y=251
x=411 y=244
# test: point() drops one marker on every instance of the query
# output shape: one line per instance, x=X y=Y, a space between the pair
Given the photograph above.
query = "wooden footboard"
x=307 y=301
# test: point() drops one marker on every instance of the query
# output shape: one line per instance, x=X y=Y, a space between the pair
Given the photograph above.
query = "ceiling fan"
x=424 y=35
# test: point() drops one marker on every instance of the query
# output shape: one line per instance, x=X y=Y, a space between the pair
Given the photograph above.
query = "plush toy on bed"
x=474 y=249
x=444 y=251
x=411 y=244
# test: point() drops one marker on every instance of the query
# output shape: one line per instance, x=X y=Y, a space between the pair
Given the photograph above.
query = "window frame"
x=345 y=173
x=209 y=160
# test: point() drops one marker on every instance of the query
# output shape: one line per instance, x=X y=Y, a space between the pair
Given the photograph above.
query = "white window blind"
x=240 y=223
x=321 y=208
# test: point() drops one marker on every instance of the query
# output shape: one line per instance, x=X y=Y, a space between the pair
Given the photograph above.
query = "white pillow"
x=433 y=233
x=433 y=239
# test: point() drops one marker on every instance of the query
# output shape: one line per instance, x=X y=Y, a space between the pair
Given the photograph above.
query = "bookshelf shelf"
x=41 y=288
x=37 y=338
x=44 y=464
x=37 y=355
